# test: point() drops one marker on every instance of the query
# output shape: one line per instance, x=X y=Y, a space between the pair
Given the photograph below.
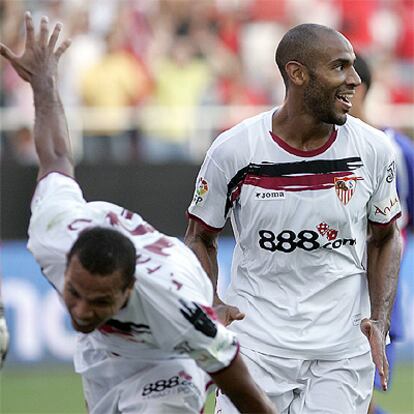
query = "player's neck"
x=300 y=131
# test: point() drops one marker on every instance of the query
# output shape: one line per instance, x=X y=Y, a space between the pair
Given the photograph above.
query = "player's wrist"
x=44 y=86
x=382 y=325
x=217 y=301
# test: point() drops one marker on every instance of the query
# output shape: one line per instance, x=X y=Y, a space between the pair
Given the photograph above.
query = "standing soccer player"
x=404 y=149
x=140 y=300
x=303 y=184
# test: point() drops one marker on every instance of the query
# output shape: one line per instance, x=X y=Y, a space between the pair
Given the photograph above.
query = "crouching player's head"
x=99 y=277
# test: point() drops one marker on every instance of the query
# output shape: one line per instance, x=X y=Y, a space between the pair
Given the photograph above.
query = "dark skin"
x=91 y=299
x=203 y=242
x=297 y=121
x=384 y=253
x=306 y=119
x=241 y=390
x=38 y=66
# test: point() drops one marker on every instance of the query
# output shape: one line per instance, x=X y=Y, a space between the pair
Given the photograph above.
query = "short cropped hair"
x=102 y=251
x=362 y=68
x=300 y=44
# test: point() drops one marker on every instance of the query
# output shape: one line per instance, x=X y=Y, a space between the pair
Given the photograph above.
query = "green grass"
x=53 y=390
x=399 y=399
x=41 y=391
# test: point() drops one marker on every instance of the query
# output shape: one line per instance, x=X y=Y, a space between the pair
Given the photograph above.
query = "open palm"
x=39 y=55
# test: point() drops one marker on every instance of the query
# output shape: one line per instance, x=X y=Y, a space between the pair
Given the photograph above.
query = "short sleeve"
x=209 y=343
x=55 y=188
x=384 y=205
x=183 y=321
x=210 y=196
x=57 y=202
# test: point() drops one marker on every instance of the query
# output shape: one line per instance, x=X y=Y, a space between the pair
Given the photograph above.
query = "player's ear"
x=126 y=292
x=297 y=73
x=131 y=284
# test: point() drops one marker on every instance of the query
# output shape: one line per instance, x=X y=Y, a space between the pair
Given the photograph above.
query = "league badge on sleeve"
x=345 y=188
x=201 y=190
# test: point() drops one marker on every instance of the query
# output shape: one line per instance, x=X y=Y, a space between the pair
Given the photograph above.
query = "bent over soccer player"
x=140 y=300
x=302 y=184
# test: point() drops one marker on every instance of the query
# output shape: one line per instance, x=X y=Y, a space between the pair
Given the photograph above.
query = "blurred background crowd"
x=157 y=80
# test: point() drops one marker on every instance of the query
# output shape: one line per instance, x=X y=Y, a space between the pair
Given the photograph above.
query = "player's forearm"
x=204 y=245
x=51 y=133
x=251 y=401
x=383 y=269
x=207 y=255
x=236 y=382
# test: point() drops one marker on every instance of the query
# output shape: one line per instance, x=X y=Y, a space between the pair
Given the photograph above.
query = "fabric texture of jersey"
x=169 y=313
x=300 y=221
x=116 y=385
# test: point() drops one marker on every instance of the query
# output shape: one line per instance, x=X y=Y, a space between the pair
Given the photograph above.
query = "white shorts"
x=309 y=387
x=116 y=385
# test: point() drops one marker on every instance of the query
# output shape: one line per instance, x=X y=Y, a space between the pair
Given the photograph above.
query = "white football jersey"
x=300 y=222
x=169 y=313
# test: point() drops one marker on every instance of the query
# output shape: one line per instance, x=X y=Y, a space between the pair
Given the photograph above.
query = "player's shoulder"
x=365 y=131
x=55 y=187
x=241 y=137
x=368 y=137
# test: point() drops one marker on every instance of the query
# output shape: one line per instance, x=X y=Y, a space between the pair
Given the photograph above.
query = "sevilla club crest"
x=345 y=188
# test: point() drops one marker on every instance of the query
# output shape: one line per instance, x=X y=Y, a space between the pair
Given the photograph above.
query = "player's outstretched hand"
x=227 y=314
x=4 y=336
x=40 y=56
x=374 y=331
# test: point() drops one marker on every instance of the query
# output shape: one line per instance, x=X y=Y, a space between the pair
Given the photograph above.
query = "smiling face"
x=92 y=299
x=332 y=81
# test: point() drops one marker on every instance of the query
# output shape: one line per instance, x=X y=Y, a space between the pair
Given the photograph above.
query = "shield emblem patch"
x=345 y=188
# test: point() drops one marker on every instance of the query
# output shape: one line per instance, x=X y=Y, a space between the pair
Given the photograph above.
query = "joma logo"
x=270 y=195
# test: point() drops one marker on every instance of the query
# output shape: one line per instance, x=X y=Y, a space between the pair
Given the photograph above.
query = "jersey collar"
x=301 y=153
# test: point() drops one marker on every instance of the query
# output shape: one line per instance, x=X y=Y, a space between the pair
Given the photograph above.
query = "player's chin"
x=341 y=114
x=83 y=328
x=340 y=118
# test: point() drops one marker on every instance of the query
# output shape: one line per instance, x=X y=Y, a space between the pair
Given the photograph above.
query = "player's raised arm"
x=38 y=65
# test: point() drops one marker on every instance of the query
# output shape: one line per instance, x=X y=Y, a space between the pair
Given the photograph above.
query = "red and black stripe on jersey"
x=113 y=326
x=291 y=176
